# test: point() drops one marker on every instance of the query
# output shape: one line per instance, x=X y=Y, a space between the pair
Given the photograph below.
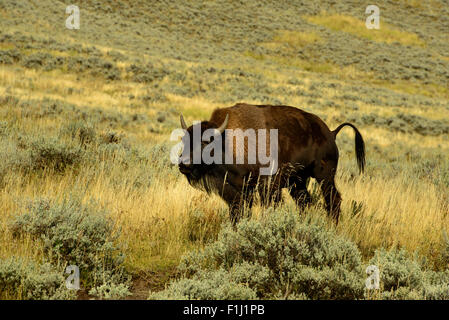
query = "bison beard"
x=306 y=148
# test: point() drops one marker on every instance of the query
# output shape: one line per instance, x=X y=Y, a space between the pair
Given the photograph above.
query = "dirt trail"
x=141 y=285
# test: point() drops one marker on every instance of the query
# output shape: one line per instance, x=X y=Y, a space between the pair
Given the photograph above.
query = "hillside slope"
x=88 y=113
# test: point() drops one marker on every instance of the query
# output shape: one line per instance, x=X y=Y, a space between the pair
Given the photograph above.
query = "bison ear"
x=183 y=123
x=223 y=126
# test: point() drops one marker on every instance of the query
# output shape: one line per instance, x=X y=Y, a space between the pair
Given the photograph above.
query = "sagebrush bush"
x=36 y=60
x=3 y=128
x=403 y=277
x=54 y=154
x=146 y=73
x=81 y=131
x=278 y=256
x=111 y=137
x=33 y=281
x=75 y=234
x=436 y=285
x=397 y=269
x=9 y=56
x=25 y=154
x=13 y=158
x=110 y=290
x=207 y=285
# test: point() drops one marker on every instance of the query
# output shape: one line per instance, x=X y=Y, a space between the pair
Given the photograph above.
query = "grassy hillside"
x=87 y=115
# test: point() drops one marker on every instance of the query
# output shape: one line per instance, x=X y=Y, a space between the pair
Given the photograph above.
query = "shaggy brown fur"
x=306 y=149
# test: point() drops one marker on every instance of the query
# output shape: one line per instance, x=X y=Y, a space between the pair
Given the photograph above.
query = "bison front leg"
x=299 y=192
x=235 y=212
x=324 y=173
x=237 y=201
x=271 y=197
x=270 y=192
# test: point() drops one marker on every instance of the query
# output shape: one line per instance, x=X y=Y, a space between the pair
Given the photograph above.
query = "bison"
x=304 y=147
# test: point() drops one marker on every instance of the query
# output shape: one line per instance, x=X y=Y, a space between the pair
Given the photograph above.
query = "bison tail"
x=359 y=145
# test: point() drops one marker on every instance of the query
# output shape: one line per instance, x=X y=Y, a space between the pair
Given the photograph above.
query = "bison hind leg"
x=332 y=198
x=324 y=173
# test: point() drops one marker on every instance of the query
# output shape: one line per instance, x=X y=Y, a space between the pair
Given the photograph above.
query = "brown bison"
x=302 y=147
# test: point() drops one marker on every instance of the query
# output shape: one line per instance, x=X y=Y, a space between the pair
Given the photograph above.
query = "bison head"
x=198 y=139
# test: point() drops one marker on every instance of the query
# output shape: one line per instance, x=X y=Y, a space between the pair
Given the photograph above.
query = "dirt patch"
x=142 y=284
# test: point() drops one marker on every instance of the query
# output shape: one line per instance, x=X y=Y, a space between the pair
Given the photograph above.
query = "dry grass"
x=354 y=26
x=293 y=39
x=397 y=212
x=154 y=221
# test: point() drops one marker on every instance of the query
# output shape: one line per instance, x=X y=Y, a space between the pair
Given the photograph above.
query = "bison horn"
x=183 y=123
x=222 y=128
